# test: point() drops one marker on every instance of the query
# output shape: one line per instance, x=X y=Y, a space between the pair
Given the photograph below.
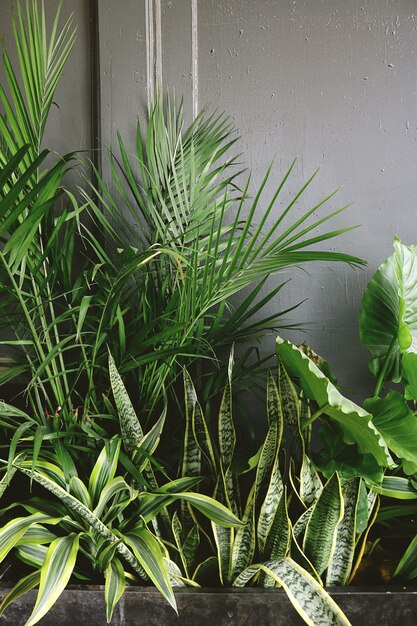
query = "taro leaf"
x=320 y=535
x=307 y=596
x=355 y=423
x=409 y=363
x=341 y=563
x=398 y=425
x=389 y=311
x=337 y=456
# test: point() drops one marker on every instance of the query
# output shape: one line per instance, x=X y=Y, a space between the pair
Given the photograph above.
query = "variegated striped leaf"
x=115 y=583
x=273 y=437
x=190 y=547
x=244 y=544
x=279 y=536
x=14 y=530
x=301 y=523
x=307 y=596
x=150 y=442
x=113 y=487
x=147 y=550
x=129 y=423
x=202 y=436
x=299 y=557
x=227 y=435
x=320 y=535
x=290 y=404
x=21 y=587
x=174 y=574
x=37 y=535
x=340 y=564
x=33 y=555
x=310 y=483
x=88 y=516
x=191 y=459
x=80 y=491
x=55 y=574
x=270 y=504
x=104 y=469
x=361 y=545
x=223 y=538
x=5 y=481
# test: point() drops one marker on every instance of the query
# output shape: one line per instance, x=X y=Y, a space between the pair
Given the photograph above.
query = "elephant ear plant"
x=388 y=328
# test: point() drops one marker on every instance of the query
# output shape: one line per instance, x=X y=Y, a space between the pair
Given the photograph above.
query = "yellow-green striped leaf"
x=270 y=503
x=244 y=544
x=115 y=583
x=104 y=469
x=55 y=574
x=307 y=596
x=147 y=550
x=341 y=562
x=320 y=535
x=14 y=530
x=21 y=587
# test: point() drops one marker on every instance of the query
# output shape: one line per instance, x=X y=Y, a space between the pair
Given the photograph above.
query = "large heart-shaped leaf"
x=388 y=319
x=398 y=425
x=354 y=422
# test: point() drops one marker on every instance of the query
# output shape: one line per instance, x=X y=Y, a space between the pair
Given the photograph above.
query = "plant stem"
x=384 y=368
x=314 y=416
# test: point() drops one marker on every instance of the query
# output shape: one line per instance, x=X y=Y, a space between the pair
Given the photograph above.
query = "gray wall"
x=333 y=82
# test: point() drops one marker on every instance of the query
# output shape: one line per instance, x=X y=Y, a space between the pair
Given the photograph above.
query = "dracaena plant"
x=302 y=528
x=91 y=521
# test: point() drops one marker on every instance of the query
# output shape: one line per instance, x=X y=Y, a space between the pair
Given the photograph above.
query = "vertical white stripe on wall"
x=194 y=55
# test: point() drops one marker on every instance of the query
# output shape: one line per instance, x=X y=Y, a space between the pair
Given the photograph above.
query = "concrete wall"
x=333 y=82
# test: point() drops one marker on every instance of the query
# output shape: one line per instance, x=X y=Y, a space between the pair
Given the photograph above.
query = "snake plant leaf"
x=244 y=544
x=398 y=425
x=226 y=433
x=270 y=503
x=272 y=443
x=190 y=547
x=279 y=536
x=341 y=562
x=307 y=596
x=5 y=481
x=310 y=482
x=202 y=436
x=320 y=534
x=301 y=524
x=129 y=423
x=55 y=574
x=22 y=586
x=104 y=469
x=147 y=550
x=290 y=403
x=362 y=543
x=115 y=583
x=223 y=538
x=355 y=423
x=388 y=319
x=191 y=459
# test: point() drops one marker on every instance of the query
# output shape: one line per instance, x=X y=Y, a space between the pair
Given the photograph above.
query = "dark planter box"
x=214 y=607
